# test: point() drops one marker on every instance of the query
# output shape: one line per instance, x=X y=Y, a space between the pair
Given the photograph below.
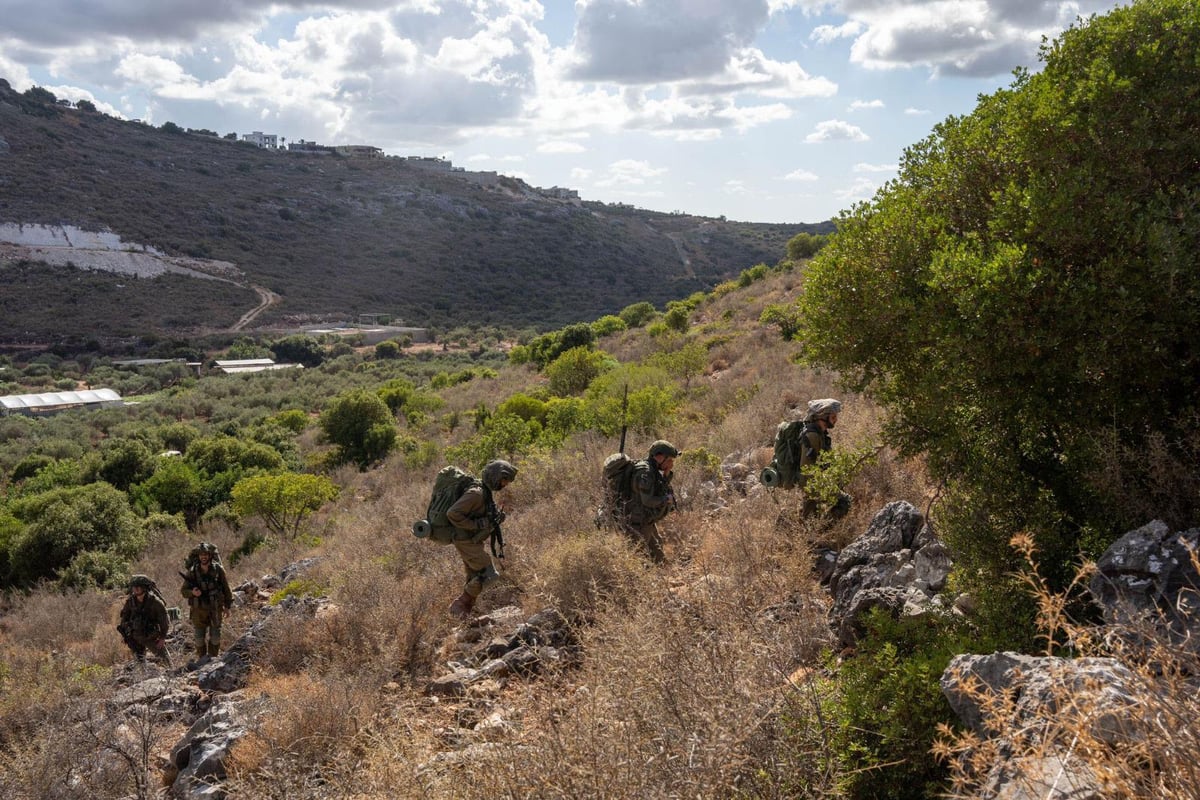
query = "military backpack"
x=784 y=469
x=451 y=483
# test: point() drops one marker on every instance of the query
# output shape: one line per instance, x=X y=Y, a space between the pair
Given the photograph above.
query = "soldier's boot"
x=462 y=605
x=214 y=648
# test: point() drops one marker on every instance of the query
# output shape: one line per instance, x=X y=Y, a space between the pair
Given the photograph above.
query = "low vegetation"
x=996 y=325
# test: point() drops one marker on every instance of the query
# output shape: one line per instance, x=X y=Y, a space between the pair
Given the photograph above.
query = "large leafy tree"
x=283 y=501
x=1025 y=296
x=361 y=425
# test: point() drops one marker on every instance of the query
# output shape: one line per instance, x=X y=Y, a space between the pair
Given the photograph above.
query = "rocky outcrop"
x=206 y=700
x=1148 y=577
x=897 y=564
x=1031 y=712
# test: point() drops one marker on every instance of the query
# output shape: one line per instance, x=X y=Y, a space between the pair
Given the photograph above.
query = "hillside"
x=654 y=662
x=332 y=236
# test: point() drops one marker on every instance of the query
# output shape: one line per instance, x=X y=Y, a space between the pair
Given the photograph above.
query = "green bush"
x=1006 y=296
x=886 y=704
x=61 y=524
x=361 y=425
x=572 y=371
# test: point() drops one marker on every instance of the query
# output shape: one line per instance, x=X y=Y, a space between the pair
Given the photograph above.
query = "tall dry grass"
x=1133 y=739
x=695 y=678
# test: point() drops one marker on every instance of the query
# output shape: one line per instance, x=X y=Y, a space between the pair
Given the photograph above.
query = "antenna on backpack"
x=624 y=418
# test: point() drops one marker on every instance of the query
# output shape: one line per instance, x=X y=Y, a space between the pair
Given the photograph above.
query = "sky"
x=783 y=111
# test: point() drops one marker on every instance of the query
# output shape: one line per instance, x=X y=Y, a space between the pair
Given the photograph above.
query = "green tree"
x=283 y=501
x=677 y=318
x=683 y=361
x=387 y=349
x=805 y=245
x=637 y=314
x=361 y=425
x=63 y=523
x=176 y=487
x=608 y=324
x=574 y=369
x=125 y=462
x=1025 y=296
x=299 y=349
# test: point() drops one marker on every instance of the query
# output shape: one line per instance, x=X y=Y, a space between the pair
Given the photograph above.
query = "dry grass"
x=1137 y=739
x=692 y=680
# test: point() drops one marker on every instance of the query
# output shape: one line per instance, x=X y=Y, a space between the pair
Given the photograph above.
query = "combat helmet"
x=497 y=471
x=141 y=580
x=663 y=448
x=822 y=408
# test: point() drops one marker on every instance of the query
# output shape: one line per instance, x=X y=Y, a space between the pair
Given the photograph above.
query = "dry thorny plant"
x=1122 y=713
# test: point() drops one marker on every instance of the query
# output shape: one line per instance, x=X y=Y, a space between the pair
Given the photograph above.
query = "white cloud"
x=559 y=146
x=630 y=172
x=963 y=37
x=667 y=40
x=581 y=173
x=824 y=34
x=800 y=175
x=858 y=189
x=859 y=105
x=863 y=167
x=836 y=130
x=916 y=112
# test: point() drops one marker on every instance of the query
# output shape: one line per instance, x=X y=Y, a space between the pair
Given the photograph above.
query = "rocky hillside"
x=332 y=236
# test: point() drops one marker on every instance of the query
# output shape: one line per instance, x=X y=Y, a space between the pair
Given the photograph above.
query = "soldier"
x=474 y=516
x=650 y=499
x=144 y=621
x=208 y=594
x=821 y=418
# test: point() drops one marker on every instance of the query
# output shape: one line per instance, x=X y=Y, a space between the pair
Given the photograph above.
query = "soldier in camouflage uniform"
x=651 y=498
x=473 y=516
x=144 y=621
x=821 y=418
x=206 y=588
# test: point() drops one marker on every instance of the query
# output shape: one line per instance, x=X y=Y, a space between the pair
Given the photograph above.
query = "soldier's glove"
x=499 y=517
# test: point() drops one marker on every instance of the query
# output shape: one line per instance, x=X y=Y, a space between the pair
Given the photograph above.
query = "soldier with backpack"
x=644 y=496
x=463 y=512
x=206 y=588
x=799 y=443
x=144 y=620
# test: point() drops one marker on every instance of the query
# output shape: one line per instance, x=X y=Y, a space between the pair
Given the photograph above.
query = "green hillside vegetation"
x=1025 y=301
x=1011 y=326
x=334 y=236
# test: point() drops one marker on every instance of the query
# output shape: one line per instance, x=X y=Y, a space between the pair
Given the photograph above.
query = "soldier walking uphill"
x=144 y=621
x=650 y=498
x=799 y=443
x=475 y=515
x=208 y=594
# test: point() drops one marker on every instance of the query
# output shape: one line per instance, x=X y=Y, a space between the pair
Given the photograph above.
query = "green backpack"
x=784 y=470
x=618 y=476
x=451 y=483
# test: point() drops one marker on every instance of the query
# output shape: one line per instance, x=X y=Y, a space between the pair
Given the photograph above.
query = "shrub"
x=361 y=426
x=282 y=501
x=887 y=706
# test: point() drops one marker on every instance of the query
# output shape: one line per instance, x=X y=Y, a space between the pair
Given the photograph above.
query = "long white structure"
x=51 y=402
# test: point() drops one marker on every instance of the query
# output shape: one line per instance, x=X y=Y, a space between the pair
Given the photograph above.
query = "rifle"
x=624 y=418
x=126 y=636
x=497 y=537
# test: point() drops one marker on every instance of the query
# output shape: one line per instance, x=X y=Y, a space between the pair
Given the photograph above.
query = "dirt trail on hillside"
x=266 y=299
